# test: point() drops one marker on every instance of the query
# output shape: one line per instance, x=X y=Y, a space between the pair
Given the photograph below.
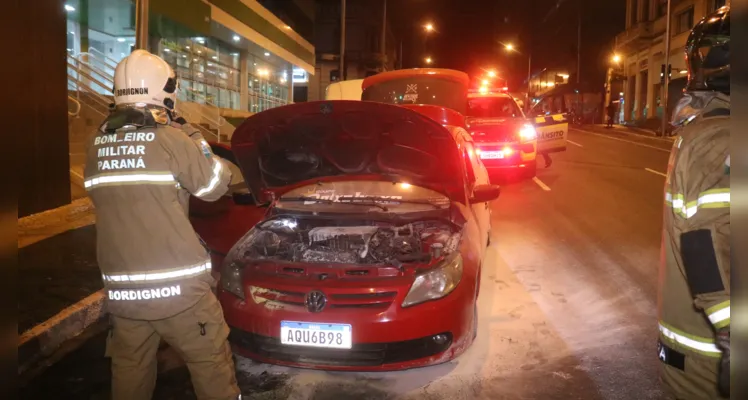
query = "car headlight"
x=528 y=133
x=436 y=282
x=231 y=279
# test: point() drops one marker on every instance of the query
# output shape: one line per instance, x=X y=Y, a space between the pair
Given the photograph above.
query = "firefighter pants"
x=199 y=334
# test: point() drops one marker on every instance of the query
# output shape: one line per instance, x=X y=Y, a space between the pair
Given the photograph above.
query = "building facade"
x=369 y=49
x=234 y=54
x=232 y=58
x=545 y=80
x=641 y=48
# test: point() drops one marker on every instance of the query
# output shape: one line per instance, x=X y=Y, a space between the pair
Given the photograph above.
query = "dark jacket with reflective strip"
x=139 y=179
x=694 y=296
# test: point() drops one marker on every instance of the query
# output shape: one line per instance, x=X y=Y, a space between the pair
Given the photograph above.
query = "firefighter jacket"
x=694 y=293
x=139 y=175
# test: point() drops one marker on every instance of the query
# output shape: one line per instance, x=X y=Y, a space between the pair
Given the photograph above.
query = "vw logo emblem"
x=315 y=301
x=325 y=108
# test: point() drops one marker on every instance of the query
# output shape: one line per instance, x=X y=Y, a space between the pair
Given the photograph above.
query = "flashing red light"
x=528 y=133
x=485 y=89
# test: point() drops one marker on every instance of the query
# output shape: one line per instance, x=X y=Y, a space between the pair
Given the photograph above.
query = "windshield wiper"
x=378 y=198
x=328 y=201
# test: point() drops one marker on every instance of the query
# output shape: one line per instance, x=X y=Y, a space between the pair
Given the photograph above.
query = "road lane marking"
x=574 y=143
x=655 y=172
x=647 y=136
x=541 y=184
x=621 y=140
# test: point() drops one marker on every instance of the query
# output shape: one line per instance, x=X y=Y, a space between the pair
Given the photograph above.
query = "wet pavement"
x=55 y=273
x=567 y=308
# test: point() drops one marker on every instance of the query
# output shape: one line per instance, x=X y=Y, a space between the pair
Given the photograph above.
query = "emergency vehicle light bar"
x=484 y=90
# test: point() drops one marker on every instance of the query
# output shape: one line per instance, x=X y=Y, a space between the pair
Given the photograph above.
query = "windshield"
x=362 y=196
x=419 y=90
x=493 y=107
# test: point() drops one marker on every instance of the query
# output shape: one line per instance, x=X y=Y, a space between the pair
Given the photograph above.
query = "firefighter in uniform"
x=694 y=294
x=142 y=166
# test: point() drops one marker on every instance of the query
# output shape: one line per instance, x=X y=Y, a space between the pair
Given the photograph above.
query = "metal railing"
x=110 y=62
x=92 y=73
x=82 y=81
x=204 y=111
x=77 y=105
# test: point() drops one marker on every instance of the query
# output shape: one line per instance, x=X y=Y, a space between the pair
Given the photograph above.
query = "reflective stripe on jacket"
x=139 y=179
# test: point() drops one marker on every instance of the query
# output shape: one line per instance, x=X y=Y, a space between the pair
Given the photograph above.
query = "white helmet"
x=143 y=78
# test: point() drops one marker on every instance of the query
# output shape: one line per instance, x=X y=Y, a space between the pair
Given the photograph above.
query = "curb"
x=44 y=339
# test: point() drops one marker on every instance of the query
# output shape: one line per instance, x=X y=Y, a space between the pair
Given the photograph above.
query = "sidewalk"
x=59 y=279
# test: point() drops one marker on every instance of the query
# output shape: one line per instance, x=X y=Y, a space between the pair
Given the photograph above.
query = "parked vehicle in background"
x=344 y=90
x=504 y=140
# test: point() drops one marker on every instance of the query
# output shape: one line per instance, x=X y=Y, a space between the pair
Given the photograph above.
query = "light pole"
x=615 y=65
x=141 y=24
x=341 y=74
x=666 y=78
x=510 y=47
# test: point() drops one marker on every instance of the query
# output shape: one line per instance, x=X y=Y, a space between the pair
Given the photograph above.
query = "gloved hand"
x=723 y=342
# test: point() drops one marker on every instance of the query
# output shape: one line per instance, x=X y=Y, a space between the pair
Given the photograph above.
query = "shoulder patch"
x=206 y=149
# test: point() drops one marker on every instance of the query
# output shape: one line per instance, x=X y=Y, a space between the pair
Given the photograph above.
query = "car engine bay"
x=325 y=241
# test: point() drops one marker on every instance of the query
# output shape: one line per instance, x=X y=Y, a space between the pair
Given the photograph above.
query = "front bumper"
x=516 y=155
x=385 y=336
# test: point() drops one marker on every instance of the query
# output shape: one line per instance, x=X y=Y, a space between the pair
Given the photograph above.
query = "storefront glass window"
x=209 y=70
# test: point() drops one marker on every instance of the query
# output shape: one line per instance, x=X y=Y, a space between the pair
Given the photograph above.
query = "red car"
x=366 y=252
x=505 y=140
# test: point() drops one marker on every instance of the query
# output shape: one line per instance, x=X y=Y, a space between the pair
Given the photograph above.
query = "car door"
x=550 y=119
x=476 y=174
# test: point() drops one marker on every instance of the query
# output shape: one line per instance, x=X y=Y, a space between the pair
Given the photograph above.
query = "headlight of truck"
x=436 y=282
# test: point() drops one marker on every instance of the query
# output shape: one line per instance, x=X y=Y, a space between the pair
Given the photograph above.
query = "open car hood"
x=285 y=147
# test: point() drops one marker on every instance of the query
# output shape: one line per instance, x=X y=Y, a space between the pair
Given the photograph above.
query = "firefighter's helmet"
x=145 y=79
x=708 y=53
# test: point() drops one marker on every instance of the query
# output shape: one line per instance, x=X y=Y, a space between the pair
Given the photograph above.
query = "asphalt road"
x=567 y=305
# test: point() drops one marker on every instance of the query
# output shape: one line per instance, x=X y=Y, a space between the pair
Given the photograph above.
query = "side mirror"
x=485 y=193
x=243 y=198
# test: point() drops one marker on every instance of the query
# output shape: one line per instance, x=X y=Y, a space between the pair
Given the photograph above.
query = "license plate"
x=333 y=336
x=491 y=154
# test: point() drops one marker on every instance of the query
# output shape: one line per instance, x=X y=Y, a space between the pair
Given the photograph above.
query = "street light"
x=428 y=60
x=491 y=74
x=429 y=27
x=616 y=58
x=510 y=48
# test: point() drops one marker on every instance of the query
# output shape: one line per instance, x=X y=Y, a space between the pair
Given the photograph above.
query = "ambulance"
x=505 y=140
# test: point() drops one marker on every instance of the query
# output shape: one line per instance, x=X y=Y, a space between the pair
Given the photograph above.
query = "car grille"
x=360 y=355
x=347 y=300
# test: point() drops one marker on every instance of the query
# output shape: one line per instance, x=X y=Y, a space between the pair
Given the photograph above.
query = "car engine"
x=321 y=241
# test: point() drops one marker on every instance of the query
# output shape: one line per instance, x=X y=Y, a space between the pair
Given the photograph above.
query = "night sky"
x=470 y=33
